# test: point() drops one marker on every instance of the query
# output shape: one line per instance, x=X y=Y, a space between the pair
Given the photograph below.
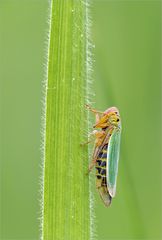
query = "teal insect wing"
x=112 y=160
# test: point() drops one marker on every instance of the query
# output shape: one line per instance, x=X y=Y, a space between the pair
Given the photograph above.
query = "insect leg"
x=91 y=137
x=96 y=112
x=93 y=110
x=100 y=135
x=94 y=158
x=92 y=164
x=82 y=144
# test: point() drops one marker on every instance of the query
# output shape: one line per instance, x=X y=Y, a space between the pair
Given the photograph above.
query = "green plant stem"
x=66 y=211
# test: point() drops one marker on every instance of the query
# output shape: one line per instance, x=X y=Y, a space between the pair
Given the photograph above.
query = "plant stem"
x=66 y=210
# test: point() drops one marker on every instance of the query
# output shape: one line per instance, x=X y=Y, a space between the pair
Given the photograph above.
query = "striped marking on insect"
x=106 y=151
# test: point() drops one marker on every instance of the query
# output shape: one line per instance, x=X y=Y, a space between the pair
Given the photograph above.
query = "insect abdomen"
x=101 y=182
x=101 y=167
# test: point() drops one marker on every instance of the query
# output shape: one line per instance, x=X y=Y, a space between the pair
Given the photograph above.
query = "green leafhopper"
x=106 y=151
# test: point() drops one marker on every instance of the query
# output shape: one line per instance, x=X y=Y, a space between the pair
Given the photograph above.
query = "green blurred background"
x=127 y=72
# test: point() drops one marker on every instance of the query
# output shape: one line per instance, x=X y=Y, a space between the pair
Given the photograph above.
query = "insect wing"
x=105 y=196
x=112 y=161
